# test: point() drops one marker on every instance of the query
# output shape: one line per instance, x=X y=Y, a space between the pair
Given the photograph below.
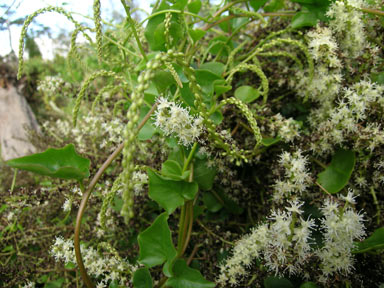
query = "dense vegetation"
x=238 y=144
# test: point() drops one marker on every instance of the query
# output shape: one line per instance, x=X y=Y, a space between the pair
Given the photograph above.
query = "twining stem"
x=132 y=24
x=186 y=220
x=13 y=181
x=189 y=159
x=88 y=192
x=372 y=190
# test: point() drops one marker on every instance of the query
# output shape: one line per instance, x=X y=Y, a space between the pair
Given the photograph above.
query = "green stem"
x=372 y=11
x=376 y=204
x=132 y=24
x=13 y=181
x=190 y=157
x=85 y=198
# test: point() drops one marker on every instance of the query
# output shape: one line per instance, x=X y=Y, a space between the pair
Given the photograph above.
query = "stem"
x=190 y=157
x=132 y=24
x=213 y=234
x=372 y=11
x=376 y=204
x=321 y=164
x=13 y=181
x=88 y=192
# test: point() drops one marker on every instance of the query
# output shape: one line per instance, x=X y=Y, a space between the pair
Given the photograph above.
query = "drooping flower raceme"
x=282 y=246
x=341 y=227
x=175 y=120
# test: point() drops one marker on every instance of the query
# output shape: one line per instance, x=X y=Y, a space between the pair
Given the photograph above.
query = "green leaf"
x=203 y=175
x=148 y=130
x=194 y=6
x=269 y=141
x=142 y=278
x=373 y=242
x=156 y=40
x=155 y=243
x=308 y=285
x=274 y=5
x=304 y=19
x=170 y=194
x=210 y=201
x=257 y=4
x=196 y=34
x=62 y=163
x=230 y=205
x=162 y=80
x=215 y=67
x=247 y=94
x=275 y=282
x=172 y=169
x=217 y=117
x=186 y=277
x=312 y=11
x=337 y=174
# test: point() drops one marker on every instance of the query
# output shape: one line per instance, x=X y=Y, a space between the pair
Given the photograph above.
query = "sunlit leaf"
x=62 y=163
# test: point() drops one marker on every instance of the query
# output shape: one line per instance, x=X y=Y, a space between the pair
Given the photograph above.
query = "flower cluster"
x=282 y=245
x=173 y=119
x=51 y=84
x=325 y=85
x=140 y=180
x=287 y=129
x=94 y=129
x=296 y=176
x=348 y=25
x=341 y=225
x=105 y=268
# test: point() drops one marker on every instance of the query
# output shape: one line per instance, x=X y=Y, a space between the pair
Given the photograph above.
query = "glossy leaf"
x=275 y=282
x=154 y=31
x=274 y=5
x=172 y=169
x=156 y=246
x=170 y=194
x=373 y=242
x=142 y=278
x=194 y=6
x=311 y=12
x=210 y=201
x=196 y=34
x=148 y=129
x=203 y=175
x=247 y=94
x=337 y=174
x=215 y=67
x=309 y=285
x=257 y=4
x=268 y=141
x=62 y=163
x=186 y=277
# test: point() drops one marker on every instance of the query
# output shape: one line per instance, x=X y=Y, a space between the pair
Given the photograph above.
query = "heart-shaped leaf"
x=142 y=278
x=196 y=34
x=155 y=243
x=268 y=141
x=337 y=174
x=172 y=169
x=276 y=282
x=203 y=175
x=373 y=242
x=168 y=193
x=62 y=163
x=186 y=277
x=247 y=94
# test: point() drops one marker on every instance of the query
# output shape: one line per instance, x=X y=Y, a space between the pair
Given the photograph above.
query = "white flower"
x=171 y=118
